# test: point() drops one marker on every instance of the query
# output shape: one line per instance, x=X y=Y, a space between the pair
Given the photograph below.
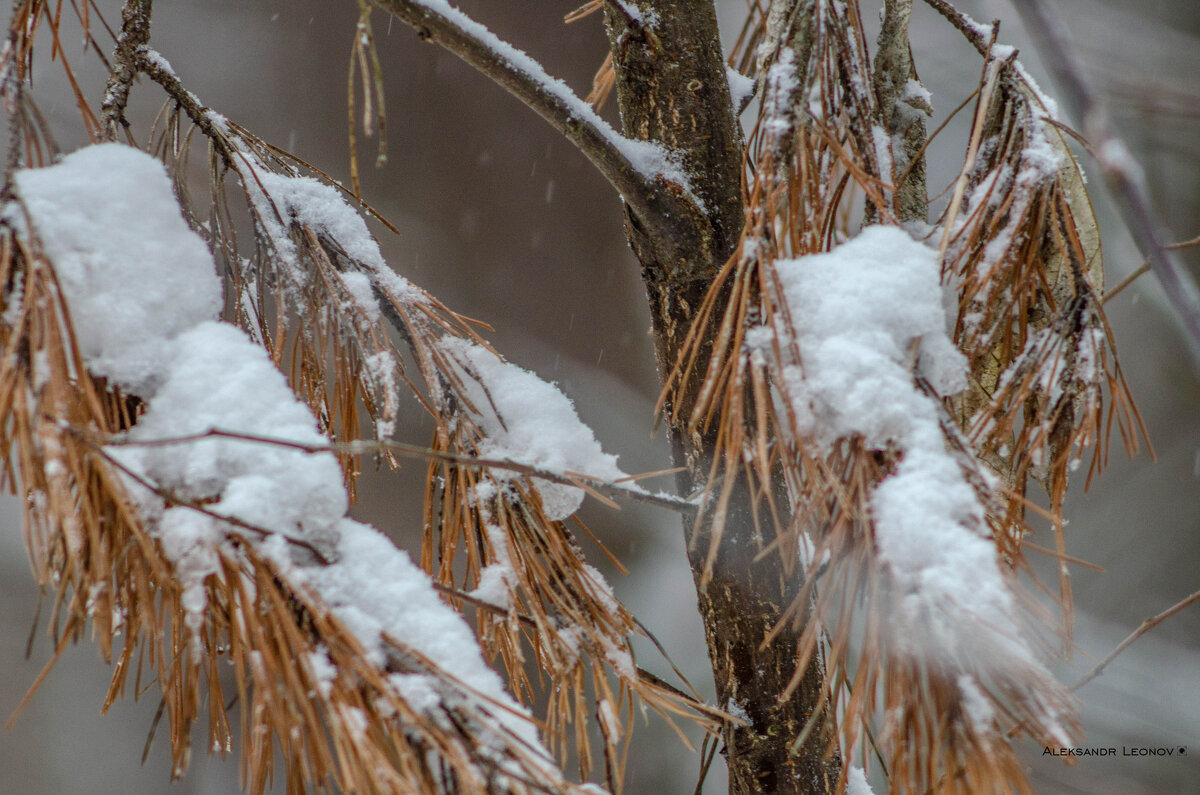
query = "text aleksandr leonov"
x=1122 y=751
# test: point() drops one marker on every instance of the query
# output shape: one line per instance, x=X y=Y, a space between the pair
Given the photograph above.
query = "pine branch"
x=135 y=33
x=639 y=171
x=600 y=488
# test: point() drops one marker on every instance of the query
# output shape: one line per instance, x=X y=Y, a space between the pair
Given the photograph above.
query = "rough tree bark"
x=673 y=89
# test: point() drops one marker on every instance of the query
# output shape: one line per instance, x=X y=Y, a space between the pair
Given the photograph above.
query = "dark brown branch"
x=199 y=114
x=628 y=166
x=1146 y=626
x=135 y=33
x=674 y=91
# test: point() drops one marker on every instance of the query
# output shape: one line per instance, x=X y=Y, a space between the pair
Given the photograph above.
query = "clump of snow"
x=529 y=421
x=218 y=378
x=856 y=782
x=142 y=289
x=860 y=313
x=741 y=87
x=320 y=206
x=126 y=306
x=856 y=312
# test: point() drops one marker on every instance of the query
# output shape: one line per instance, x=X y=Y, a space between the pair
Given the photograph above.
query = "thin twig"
x=173 y=499
x=1122 y=174
x=361 y=447
x=190 y=104
x=1128 y=280
x=1146 y=626
x=973 y=31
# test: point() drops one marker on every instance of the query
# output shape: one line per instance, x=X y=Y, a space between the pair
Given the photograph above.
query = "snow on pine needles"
x=241 y=491
x=224 y=510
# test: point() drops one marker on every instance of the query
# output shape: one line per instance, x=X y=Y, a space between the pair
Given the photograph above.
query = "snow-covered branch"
x=637 y=169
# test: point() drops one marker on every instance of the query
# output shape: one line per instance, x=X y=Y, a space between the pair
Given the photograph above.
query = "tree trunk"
x=672 y=88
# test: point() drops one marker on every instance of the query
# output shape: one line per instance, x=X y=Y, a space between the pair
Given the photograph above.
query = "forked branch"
x=635 y=168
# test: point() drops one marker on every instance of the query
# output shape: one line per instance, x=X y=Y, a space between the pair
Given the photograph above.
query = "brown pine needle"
x=647 y=475
x=1027 y=544
x=37 y=682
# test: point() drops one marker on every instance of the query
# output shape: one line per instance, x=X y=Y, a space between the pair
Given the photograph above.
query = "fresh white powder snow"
x=314 y=203
x=856 y=782
x=529 y=421
x=142 y=289
x=280 y=200
x=126 y=305
x=856 y=312
x=866 y=315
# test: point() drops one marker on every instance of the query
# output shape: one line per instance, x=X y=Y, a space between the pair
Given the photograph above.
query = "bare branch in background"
x=1146 y=626
x=904 y=105
x=1122 y=174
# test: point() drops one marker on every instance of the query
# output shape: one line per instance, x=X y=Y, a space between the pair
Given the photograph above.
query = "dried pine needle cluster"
x=1019 y=246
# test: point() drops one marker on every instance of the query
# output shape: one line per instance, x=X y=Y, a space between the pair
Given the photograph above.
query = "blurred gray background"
x=505 y=222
